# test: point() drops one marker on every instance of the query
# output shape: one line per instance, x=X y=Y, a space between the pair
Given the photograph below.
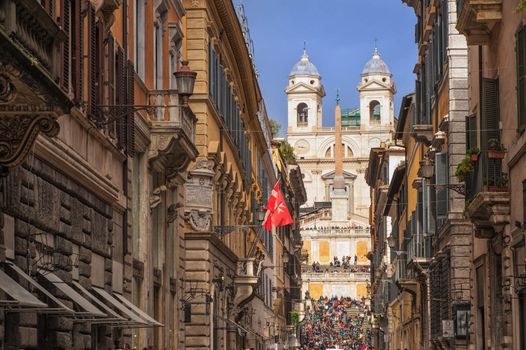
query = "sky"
x=340 y=36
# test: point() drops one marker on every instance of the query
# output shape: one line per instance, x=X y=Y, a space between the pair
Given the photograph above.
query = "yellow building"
x=227 y=184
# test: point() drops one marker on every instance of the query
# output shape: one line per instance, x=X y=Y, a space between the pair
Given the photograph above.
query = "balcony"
x=30 y=69
x=336 y=232
x=488 y=192
x=476 y=19
x=172 y=131
x=419 y=250
x=422 y=133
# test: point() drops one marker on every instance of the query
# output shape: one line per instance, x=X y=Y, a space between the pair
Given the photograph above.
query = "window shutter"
x=418 y=95
x=65 y=21
x=441 y=193
x=120 y=83
x=110 y=80
x=490 y=111
x=77 y=67
x=524 y=203
x=471 y=131
x=490 y=126
x=92 y=60
x=521 y=77
x=130 y=122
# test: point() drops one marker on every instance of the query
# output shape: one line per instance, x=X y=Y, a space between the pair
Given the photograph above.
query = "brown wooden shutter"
x=110 y=79
x=92 y=61
x=77 y=67
x=490 y=112
x=521 y=78
x=130 y=125
x=120 y=98
x=65 y=21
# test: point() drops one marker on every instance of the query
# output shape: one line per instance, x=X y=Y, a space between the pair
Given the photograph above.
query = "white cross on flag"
x=277 y=212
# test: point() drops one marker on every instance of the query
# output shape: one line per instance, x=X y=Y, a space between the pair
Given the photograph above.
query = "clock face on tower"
x=302 y=147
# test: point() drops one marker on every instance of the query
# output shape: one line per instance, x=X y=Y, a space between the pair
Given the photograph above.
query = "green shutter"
x=441 y=192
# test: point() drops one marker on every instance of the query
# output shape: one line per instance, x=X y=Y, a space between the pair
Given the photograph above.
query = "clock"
x=302 y=147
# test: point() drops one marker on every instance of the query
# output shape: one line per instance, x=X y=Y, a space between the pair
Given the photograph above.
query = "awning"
x=20 y=297
x=138 y=311
x=59 y=308
x=113 y=317
x=89 y=310
x=136 y=319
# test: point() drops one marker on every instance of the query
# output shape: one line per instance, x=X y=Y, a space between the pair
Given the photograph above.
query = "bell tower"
x=305 y=93
x=377 y=91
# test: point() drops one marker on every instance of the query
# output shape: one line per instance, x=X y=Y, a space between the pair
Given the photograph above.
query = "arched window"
x=348 y=152
x=303 y=114
x=374 y=112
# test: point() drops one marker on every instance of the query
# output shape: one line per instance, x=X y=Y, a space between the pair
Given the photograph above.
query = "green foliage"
x=463 y=169
x=287 y=152
x=275 y=127
x=294 y=318
x=521 y=6
x=495 y=145
x=473 y=150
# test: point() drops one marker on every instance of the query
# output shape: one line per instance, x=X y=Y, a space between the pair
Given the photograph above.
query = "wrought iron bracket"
x=459 y=188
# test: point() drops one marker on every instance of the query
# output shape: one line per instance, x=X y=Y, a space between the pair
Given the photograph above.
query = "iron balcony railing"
x=419 y=247
x=487 y=175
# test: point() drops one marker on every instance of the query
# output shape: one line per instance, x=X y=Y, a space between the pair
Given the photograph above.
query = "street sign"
x=448 y=329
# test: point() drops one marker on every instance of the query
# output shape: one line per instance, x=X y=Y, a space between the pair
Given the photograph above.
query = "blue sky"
x=340 y=37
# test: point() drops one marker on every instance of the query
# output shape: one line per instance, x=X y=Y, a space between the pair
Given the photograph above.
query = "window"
x=374 y=112
x=158 y=55
x=303 y=114
x=139 y=38
x=441 y=171
x=521 y=77
x=480 y=308
x=524 y=203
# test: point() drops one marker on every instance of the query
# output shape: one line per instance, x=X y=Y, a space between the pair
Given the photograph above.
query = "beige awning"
x=138 y=311
x=59 y=308
x=126 y=312
x=20 y=297
x=88 y=309
x=113 y=317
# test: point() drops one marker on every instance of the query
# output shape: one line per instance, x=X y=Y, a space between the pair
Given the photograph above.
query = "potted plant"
x=464 y=168
x=473 y=153
x=495 y=149
x=498 y=184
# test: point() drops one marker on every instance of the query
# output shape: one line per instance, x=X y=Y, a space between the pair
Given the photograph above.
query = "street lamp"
x=185 y=79
x=293 y=342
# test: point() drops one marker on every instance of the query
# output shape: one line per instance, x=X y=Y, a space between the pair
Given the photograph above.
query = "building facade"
x=335 y=223
x=128 y=214
x=383 y=162
x=432 y=237
x=495 y=182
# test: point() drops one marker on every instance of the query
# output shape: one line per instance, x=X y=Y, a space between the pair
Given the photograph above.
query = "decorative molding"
x=19 y=127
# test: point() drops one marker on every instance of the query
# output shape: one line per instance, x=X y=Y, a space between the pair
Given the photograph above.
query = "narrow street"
x=262 y=175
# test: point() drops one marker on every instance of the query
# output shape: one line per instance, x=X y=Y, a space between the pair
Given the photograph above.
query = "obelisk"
x=339 y=195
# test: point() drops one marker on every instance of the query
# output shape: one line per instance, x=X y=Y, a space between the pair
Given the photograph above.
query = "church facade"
x=335 y=219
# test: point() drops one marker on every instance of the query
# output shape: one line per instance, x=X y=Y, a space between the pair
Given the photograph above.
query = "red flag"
x=277 y=212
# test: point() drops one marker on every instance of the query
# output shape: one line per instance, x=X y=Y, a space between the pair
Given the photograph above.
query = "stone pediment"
x=374 y=85
x=346 y=175
x=303 y=87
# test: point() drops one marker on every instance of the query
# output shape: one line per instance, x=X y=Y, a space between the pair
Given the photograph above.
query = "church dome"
x=304 y=66
x=376 y=65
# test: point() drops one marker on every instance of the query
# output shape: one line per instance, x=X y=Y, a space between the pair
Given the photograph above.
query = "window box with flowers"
x=495 y=149
x=473 y=153
x=499 y=184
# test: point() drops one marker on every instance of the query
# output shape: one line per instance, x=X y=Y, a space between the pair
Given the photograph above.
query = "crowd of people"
x=327 y=228
x=346 y=264
x=336 y=323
